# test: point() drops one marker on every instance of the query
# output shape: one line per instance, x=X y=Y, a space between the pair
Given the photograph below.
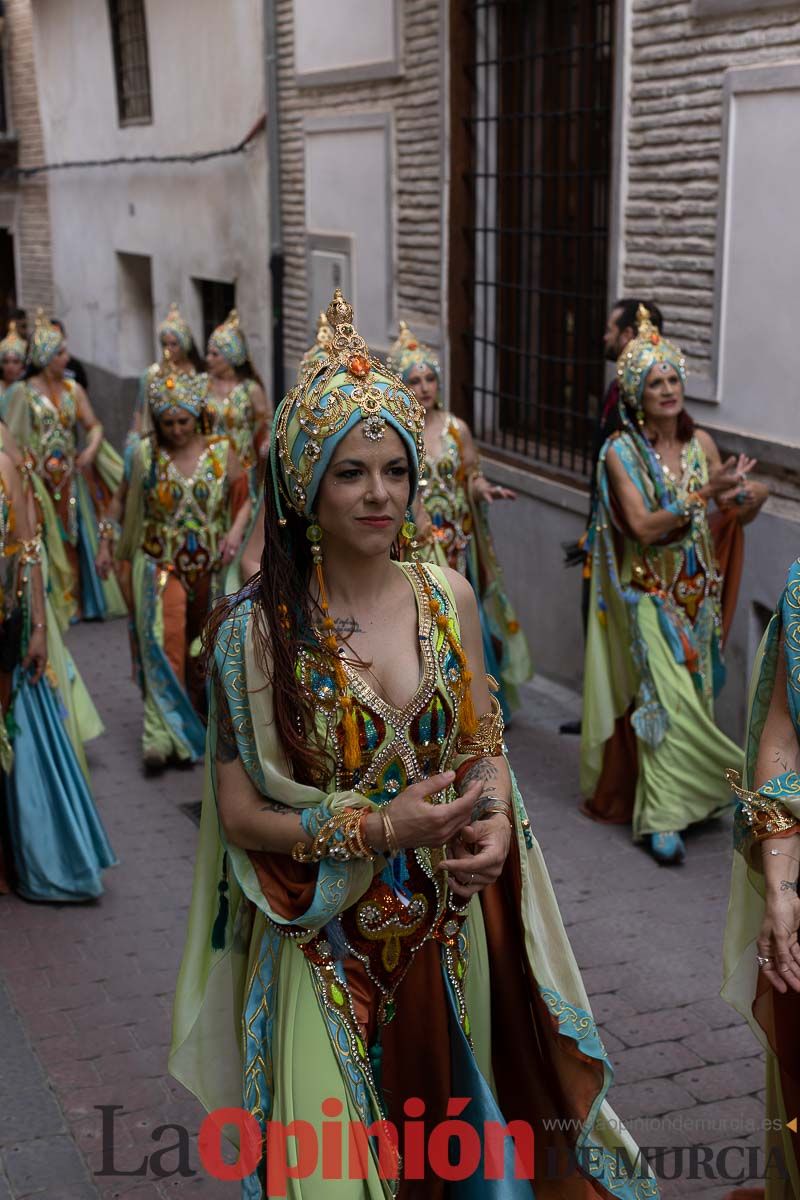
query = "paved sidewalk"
x=91 y=986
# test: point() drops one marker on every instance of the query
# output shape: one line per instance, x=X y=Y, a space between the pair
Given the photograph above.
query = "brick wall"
x=416 y=99
x=674 y=145
x=35 y=284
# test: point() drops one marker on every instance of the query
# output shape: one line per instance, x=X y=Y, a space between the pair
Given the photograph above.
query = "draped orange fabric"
x=729 y=547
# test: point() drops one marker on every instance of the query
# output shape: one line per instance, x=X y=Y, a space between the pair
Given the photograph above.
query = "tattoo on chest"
x=346 y=626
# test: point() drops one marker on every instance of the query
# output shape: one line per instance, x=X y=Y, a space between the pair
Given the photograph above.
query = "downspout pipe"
x=276 y=255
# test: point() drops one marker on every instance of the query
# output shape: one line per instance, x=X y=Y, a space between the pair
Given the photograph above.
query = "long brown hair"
x=283 y=618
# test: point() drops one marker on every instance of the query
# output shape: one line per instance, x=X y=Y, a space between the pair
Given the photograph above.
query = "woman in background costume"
x=453 y=518
x=178 y=533
x=13 y=351
x=762 y=955
x=52 y=842
x=235 y=405
x=649 y=744
x=345 y=946
x=179 y=350
x=45 y=413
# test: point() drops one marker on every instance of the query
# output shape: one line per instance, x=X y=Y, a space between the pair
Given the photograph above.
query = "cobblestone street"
x=86 y=991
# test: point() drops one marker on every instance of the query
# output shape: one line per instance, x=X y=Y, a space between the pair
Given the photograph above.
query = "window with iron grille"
x=216 y=301
x=131 y=63
x=537 y=166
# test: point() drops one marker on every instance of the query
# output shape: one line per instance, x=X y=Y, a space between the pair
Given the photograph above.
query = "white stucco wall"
x=206 y=221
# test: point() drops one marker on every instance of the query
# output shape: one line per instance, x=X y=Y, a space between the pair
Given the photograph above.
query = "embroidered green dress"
x=171 y=534
x=653 y=647
x=70 y=501
x=462 y=540
x=234 y=417
x=367 y=983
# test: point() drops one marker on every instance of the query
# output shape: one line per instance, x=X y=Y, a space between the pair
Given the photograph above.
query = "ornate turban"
x=409 y=352
x=175 y=324
x=648 y=347
x=318 y=353
x=172 y=389
x=349 y=388
x=229 y=340
x=12 y=343
x=46 y=342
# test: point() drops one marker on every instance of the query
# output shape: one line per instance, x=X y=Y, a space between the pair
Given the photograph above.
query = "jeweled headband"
x=350 y=387
x=175 y=324
x=229 y=340
x=46 y=342
x=12 y=343
x=409 y=352
x=647 y=348
x=172 y=389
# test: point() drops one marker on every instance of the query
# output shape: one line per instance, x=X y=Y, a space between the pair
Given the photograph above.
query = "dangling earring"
x=640 y=417
x=351 y=747
x=408 y=532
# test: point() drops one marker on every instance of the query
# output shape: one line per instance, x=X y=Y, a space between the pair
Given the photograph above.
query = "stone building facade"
x=24 y=208
x=362 y=126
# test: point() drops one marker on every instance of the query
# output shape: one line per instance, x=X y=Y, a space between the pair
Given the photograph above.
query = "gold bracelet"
x=392 y=844
x=337 y=839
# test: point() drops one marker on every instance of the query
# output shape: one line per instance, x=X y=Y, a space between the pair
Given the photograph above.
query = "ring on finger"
x=763 y=961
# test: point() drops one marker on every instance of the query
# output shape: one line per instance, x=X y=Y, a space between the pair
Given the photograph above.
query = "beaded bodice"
x=53 y=436
x=185 y=515
x=443 y=490
x=233 y=417
x=9 y=553
x=399 y=746
x=685 y=569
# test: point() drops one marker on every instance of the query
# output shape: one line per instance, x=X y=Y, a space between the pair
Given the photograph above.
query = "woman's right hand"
x=727 y=476
x=103 y=560
x=417 y=823
x=777 y=939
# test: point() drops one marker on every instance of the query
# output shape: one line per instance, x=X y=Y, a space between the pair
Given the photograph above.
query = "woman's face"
x=364 y=494
x=58 y=364
x=13 y=368
x=178 y=427
x=171 y=343
x=425 y=386
x=217 y=363
x=663 y=392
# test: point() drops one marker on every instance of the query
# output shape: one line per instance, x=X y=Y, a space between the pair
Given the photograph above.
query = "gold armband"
x=487 y=740
x=764 y=816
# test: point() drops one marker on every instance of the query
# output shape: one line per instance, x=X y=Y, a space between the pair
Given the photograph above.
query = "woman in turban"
x=179 y=350
x=13 y=351
x=178 y=532
x=452 y=513
x=45 y=414
x=650 y=747
x=235 y=404
x=52 y=842
x=372 y=929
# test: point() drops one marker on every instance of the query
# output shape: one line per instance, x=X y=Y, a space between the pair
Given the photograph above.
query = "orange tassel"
x=467 y=720
x=352 y=746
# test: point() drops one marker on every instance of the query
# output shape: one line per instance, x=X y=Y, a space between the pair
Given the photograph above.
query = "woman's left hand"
x=477 y=858
x=229 y=545
x=35 y=660
x=86 y=458
x=777 y=939
x=483 y=490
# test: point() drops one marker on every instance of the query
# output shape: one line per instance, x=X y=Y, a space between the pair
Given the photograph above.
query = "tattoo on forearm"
x=484 y=770
x=275 y=807
x=789 y=885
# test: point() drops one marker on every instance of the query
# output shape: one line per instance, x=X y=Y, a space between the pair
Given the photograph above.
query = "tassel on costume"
x=650 y=723
x=221 y=923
